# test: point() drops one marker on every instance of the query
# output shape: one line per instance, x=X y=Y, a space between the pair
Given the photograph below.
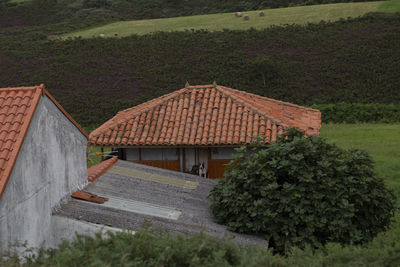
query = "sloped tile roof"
x=204 y=115
x=17 y=106
x=98 y=170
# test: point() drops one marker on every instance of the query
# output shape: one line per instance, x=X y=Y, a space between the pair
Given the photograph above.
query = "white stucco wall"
x=190 y=157
x=152 y=153
x=222 y=152
x=132 y=153
x=51 y=164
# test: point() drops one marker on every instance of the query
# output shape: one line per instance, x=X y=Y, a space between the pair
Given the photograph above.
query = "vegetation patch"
x=95 y=78
x=303 y=191
x=218 y=22
x=355 y=112
x=43 y=12
x=390 y=6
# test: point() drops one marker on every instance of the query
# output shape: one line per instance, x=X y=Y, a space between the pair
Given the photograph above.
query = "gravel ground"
x=193 y=204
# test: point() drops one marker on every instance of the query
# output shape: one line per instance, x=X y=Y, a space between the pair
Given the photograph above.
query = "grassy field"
x=217 y=22
x=390 y=6
x=381 y=140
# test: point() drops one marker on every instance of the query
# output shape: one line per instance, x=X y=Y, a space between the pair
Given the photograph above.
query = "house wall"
x=190 y=158
x=51 y=164
x=222 y=152
x=193 y=156
x=152 y=154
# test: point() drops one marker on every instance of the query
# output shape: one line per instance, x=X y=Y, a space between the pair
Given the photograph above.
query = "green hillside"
x=95 y=12
x=390 y=6
x=349 y=61
x=215 y=22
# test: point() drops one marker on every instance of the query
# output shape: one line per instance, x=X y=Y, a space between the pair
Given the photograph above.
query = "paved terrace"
x=172 y=200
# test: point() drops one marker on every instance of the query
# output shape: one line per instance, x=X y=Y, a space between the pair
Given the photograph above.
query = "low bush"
x=302 y=191
x=148 y=248
x=151 y=248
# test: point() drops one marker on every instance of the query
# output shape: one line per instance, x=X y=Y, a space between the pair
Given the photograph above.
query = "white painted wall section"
x=51 y=164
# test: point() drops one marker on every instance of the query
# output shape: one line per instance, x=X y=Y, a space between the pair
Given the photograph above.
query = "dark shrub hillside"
x=303 y=191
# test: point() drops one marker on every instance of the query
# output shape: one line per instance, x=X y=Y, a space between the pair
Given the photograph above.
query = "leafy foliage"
x=150 y=248
x=303 y=191
x=95 y=78
x=267 y=68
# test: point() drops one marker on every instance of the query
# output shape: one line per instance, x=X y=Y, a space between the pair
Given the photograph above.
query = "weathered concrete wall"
x=64 y=228
x=51 y=164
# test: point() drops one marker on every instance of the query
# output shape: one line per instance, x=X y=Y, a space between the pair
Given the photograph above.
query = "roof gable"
x=17 y=107
x=204 y=115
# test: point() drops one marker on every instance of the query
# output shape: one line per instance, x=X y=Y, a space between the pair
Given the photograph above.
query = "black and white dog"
x=202 y=170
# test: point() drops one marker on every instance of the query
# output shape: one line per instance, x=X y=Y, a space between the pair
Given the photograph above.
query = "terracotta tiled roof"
x=204 y=115
x=98 y=170
x=17 y=106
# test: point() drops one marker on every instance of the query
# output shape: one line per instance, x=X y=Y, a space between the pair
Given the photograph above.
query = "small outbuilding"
x=42 y=161
x=199 y=125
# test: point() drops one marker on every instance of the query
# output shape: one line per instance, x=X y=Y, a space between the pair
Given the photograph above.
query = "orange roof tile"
x=98 y=170
x=204 y=115
x=17 y=106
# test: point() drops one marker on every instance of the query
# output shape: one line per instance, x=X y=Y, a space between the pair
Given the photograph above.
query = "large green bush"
x=303 y=191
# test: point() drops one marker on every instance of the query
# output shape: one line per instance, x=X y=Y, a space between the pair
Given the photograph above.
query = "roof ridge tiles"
x=268 y=99
x=138 y=109
x=255 y=110
x=99 y=169
x=204 y=115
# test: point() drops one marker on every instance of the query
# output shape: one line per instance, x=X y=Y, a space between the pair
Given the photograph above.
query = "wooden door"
x=216 y=168
x=172 y=165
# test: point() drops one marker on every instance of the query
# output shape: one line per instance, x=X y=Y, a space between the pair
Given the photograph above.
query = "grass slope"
x=215 y=22
x=350 y=61
x=380 y=140
x=390 y=6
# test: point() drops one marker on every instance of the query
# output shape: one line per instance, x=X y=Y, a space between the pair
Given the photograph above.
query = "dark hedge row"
x=350 y=61
x=40 y=12
x=352 y=113
x=152 y=248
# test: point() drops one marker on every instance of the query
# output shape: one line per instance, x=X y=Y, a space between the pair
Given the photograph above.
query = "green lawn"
x=216 y=22
x=381 y=140
x=390 y=6
x=18 y=1
x=92 y=158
